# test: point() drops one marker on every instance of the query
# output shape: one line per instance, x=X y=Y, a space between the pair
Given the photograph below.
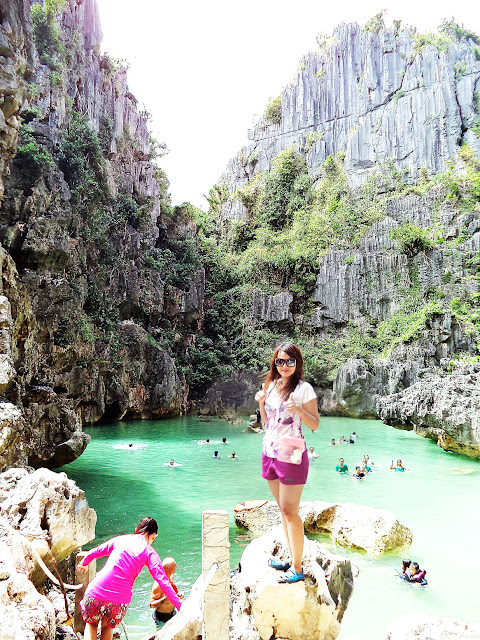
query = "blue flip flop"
x=280 y=565
x=291 y=576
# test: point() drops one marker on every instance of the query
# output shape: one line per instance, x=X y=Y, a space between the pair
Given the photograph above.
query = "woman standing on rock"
x=108 y=595
x=285 y=402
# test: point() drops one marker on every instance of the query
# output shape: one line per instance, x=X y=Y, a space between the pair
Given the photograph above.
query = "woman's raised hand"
x=260 y=396
x=290 y=404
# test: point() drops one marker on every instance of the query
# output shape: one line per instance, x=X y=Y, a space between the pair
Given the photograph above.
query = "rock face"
x=234 y=395
x=264 y=609
x=351 y=525
x=25 y=614
x=444 y=408
x=98 y=290
x=41 y=511
x=369 y=95
x=272 y=308
x=49 y=508
x=414 y=626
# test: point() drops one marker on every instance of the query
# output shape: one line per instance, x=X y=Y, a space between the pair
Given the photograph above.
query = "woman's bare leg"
x=275 y=489
x=90 y=632
x=106 y=633
x=288 y=501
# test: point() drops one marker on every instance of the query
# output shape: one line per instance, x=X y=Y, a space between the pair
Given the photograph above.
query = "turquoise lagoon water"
x=438 y=499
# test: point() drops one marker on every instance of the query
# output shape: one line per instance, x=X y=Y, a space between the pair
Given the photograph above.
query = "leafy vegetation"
x=376 y=23
x=412 y=239
x=273 y=112
x=454 y=30
x=45 y=32
x=32 y=158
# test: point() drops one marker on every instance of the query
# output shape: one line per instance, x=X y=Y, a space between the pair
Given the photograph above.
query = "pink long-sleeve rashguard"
x=128 y=555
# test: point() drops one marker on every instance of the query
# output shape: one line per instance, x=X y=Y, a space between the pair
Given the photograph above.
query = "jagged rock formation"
x=264 y=609
x=372 y=95
x=444 y=408
x=48 y=508
x=94 y=268
x=350 y=525
x=25 y=614
x=392 y=109
x=47 y=513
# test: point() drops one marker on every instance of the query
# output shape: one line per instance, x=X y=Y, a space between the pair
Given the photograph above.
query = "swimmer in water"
x=358 y=473
x=233 y=455
x=398 y=467
x=200 y=442
x=215 y=455
x=172 y=464
x=224 y=441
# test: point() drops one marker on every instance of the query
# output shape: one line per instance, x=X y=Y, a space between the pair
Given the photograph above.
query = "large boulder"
x=423 y=627
x=25 y=614
x=49 y=509
x=262 y=608
x=350 y=525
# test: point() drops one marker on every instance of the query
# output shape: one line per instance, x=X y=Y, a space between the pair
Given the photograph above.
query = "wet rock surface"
x=359 y=527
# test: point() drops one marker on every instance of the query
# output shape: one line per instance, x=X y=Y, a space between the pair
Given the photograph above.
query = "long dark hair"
x=272 y=375
x=147 y=525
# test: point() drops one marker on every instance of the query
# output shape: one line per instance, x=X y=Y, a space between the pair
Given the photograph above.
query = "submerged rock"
x=350 y=525
x=262 y=608
x=419 y=626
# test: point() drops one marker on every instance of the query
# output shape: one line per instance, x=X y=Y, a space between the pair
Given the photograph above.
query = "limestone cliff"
x=354 y=219
x=373 y=94
x=100 y=282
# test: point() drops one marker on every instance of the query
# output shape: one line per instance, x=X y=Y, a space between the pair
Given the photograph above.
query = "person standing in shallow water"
x=108 y=595
x=285 y=401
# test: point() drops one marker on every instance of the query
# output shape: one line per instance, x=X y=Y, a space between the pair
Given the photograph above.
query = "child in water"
x=411 y=572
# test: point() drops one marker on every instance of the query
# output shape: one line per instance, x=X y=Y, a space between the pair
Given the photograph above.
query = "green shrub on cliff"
x=454 y=30
x=273 y=111
x=32 y=158
x=412 y=239
x=45 y=31
x=82 y=163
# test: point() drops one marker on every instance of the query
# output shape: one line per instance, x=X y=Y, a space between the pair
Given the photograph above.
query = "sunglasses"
x=291 y=362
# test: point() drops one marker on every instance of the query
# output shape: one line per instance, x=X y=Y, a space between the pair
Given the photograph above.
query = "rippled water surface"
x=438 y=498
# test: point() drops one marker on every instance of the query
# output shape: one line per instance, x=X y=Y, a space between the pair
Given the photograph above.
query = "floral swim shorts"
x=95 y=610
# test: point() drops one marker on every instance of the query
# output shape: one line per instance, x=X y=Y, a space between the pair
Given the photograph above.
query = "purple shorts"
x=286 y=472
x=94 y=610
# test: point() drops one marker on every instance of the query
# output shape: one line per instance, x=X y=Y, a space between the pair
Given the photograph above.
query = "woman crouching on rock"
x=285 y=402
x=108 y=595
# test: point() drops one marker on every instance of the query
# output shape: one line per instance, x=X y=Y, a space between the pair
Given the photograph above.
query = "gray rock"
x=235 y=395
x=272 y=308
x=49 y=508
x=417 y=626
x=15 y=444
x=444 y=408
x=373 y=97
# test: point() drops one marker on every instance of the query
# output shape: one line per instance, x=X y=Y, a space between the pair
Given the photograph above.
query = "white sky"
x=204 y=68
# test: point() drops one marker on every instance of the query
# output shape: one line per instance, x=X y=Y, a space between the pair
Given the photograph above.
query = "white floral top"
x=281 y=422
